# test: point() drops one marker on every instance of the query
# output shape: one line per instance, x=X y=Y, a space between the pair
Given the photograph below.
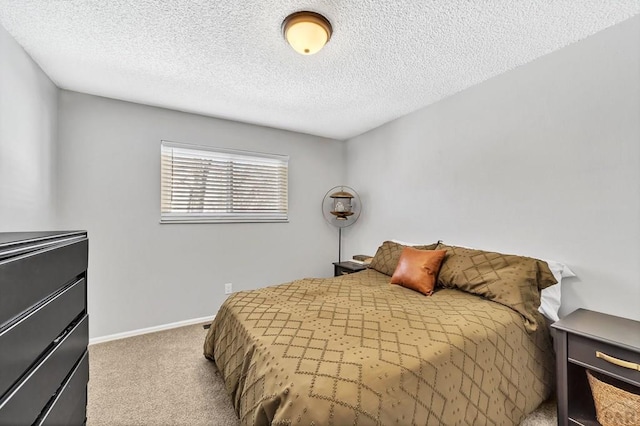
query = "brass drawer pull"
x=619 y=362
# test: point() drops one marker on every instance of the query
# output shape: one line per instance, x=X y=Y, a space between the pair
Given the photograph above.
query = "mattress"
x=356 y=350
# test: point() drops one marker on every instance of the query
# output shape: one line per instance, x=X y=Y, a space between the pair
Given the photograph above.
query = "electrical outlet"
x=228 y=288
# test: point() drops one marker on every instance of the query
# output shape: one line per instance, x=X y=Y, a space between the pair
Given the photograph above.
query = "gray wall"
x=28 y=111
x=143 y=274
x=543 y=161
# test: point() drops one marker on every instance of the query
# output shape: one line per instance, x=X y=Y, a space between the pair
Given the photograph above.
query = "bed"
x=355 y=350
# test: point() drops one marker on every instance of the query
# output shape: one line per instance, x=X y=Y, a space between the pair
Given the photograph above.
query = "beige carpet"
x=156 y=379
x=163 y=379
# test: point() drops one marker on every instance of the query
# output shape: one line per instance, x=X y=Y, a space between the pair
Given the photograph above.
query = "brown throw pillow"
x=388 y=254
x=418 y=269
x=514 y=281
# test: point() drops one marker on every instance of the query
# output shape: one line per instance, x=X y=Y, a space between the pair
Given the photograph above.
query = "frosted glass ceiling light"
x=306 y=32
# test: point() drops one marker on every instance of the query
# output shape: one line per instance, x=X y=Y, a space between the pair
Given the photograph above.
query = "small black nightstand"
x=603 y=343
x=347 y=267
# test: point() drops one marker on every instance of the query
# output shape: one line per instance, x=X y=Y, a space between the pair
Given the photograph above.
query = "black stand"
x=339 y=245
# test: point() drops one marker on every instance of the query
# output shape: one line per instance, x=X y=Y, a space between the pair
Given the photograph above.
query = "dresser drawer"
x=27 y=279
x=583 y=350
x=23 y=342
x=25 y=402
x=69 y=406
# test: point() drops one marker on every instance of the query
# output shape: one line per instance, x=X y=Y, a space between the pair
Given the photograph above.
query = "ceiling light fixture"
x=307 y=32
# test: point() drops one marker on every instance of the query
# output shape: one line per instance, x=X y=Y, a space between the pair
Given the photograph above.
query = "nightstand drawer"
x=583 y=350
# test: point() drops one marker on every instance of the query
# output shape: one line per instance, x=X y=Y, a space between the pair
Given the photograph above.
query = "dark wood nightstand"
x=347 y=267
x=594 y=341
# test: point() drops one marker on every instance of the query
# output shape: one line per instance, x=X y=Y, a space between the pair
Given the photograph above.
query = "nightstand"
x=347 y=267
x=598 y=342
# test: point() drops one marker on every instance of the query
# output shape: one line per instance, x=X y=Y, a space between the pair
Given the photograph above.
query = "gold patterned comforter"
x=355 y=350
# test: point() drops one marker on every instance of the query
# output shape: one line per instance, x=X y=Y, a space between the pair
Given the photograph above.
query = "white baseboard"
x=140 y=331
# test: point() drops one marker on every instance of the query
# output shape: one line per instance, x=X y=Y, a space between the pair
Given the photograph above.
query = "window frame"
x=251 y=158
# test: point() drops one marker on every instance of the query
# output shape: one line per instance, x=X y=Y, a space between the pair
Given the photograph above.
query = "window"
x=202 y=184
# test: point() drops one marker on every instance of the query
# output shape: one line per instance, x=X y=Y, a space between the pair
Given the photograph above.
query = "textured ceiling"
x=228 y=59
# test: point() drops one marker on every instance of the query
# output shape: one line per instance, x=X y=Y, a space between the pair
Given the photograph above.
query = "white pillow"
x=404 y=243
x=550 y=296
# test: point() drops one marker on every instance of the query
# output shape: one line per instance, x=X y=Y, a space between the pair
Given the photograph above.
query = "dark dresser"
x=44 y=366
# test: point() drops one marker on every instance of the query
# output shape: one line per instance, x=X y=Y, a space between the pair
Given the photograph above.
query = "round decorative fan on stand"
x=341 y=207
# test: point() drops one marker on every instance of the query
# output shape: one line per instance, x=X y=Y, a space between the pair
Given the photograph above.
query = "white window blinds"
x=202 y=184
